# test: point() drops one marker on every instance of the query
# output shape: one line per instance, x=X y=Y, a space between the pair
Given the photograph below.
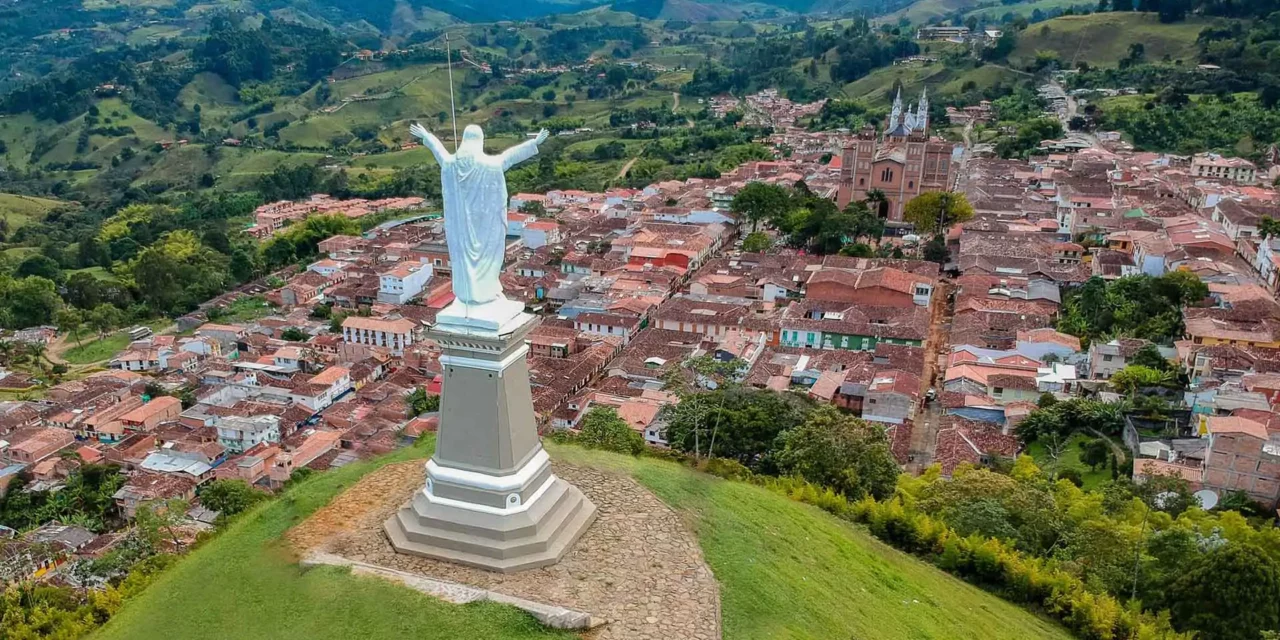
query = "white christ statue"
x=475 y=223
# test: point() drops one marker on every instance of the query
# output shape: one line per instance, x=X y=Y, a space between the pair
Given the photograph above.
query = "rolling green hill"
x=877 y=87
x=786 y=570
x=1103 y=39
x=19 y=210
x=925 y=10
x=1026 y=9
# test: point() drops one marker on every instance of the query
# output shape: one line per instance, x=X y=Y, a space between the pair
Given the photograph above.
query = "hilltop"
x=785 y=570
x=1103 y=39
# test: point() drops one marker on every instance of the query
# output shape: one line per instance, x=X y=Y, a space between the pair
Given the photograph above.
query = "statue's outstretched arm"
x=523 y=151
x=430 y=141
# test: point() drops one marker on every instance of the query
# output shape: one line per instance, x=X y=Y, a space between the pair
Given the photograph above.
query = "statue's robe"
x=475 y=213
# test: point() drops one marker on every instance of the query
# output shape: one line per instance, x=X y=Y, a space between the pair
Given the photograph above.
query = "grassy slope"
x=1025 y=9
x=786 y=571
x=243 y=584
x=1070 y=459
x=925 y=10
x=877 y=87
x=20 y=210
x=1104 y=38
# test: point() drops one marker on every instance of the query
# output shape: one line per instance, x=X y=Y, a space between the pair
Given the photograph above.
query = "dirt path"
x=675 y=95
x=924 y=433
x=622 y=173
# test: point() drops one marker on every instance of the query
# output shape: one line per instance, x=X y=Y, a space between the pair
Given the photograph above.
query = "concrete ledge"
x=549 y=615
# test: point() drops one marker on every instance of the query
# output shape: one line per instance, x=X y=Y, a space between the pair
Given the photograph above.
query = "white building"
x=395 y=335
x=326 y=267
x=238 y=433
x=403 y=282
x=540 y=233
x=1267 y=262
x=1212 y=165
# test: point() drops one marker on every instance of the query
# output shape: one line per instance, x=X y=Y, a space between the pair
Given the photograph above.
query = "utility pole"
x=453 y=110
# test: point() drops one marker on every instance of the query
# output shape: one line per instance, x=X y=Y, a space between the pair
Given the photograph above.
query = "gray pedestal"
x=490 y=499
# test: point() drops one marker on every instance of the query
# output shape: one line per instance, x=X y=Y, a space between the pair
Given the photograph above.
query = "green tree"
x=1269 y=227
x=1149 y=356
x=866 y=224
x=294 y=334
x=178 y=272
x=601 y=428
x=161 y=519
x=1134 y=377
x=39 y=265
x=1095 y=452
x=420 y=402
x=230 y=497
x=1029 y=135
x=70 y=320
x=747 y=423
x=105 y=317
x=756 y=242
x=83 y=290
x=842 y=452
x=936 y=211
x=533 y=208
x=1229 y=594
x=28 y=302
x=760 y=201
x=935 y=250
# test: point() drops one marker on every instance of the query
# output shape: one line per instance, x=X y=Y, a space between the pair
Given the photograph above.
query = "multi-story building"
x=1241 y=457
x=403 y=282
x=1212 y=165
x=238 y=433
x=902 y=163
x=395 y=335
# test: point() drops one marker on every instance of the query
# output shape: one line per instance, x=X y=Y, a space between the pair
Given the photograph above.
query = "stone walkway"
x=637 y=567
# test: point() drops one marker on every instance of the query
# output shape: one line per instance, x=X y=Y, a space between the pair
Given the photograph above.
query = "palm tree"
x=876 y=200
x=36 y=351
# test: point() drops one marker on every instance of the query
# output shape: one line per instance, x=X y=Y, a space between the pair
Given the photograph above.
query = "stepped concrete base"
x=535 y=537
x=491 y=499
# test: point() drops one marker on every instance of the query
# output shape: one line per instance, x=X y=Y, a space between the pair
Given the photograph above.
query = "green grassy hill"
x=1025 y=9
x=20 y=210
x=926 y=10
x=877 y=87
x=786 y=570
x=1103 y=39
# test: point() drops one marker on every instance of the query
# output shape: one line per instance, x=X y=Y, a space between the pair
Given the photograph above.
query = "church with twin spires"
x=902 y=162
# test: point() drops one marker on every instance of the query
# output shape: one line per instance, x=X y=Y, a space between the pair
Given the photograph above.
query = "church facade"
x=902 y=163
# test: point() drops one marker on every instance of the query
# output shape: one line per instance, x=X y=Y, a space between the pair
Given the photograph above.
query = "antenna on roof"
x=453 y=110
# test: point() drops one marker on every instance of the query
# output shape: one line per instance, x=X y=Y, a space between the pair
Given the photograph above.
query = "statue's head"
x=472 y=139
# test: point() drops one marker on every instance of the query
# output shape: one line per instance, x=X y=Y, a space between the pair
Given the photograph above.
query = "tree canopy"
x=1139 y=306
x=601 y=428
x=842 y=452
x=936 y=211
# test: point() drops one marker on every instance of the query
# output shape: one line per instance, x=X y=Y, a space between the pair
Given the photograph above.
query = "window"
x=998 y=390
x=922 y=291
x=886 y=175
x=1106 y=358
x=911 y=184
x=861 y=181
x=871 y=401
x=809 y=338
